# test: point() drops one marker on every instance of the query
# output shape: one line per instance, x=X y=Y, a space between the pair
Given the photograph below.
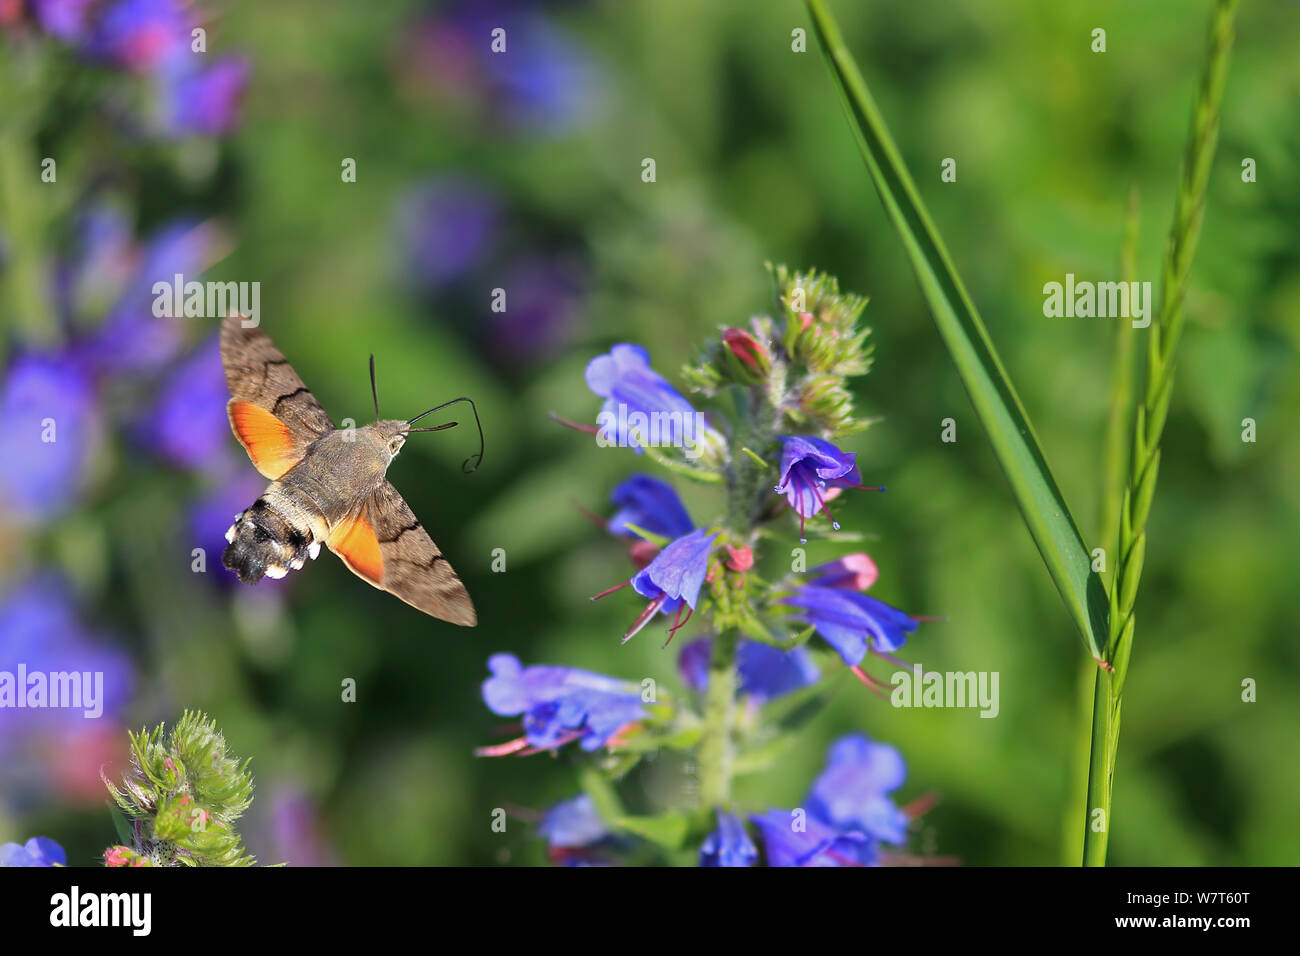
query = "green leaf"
x=999 y=409
x=667 y=830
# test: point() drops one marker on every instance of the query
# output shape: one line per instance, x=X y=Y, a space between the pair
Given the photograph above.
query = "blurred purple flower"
x=47 y=404
x=65 y=20
x=133 y=339
x=848 y=811
x=853 y=572
x=792 y=838
x=558 y=704
x=38 y=851
x=203 y=101
x=575 y=834
x=545 y=299
x=448 y=225
x=852 y=623
x=650 y=504
x=295 y=830
x=765 y=672
x=101 y=263
x=851 y=792
x=728 y=845
x=140 y=35
x=188 y=426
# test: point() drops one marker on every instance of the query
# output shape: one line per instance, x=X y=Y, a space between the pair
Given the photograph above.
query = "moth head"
x=394 y=433
x=391 y=436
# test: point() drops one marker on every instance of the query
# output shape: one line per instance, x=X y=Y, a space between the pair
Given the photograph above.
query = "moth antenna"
x=477 y=459
x=374 y=392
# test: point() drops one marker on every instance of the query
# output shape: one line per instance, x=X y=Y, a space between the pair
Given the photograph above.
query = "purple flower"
x=851 y=792
x=811 y=466
x=38 y=851
x=640 y=406
x=50 y=428
x=651 y=505
x=573 y=823
x=545 y=297
x=203 y=101
x=64 y=20
x=140 y=34
x=765 y=672
x=728 y=845
x=558 y=704
x=132 y=339
x=795 y=838
x=447 y=226
x=672 y=580
x=188 y=425
x=852 y=623
x=91 y=279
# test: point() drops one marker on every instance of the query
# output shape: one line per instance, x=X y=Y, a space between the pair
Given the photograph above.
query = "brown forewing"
x=258 y=372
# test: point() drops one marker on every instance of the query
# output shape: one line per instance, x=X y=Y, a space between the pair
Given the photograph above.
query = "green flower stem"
x=746 y=478
x=1144 y=461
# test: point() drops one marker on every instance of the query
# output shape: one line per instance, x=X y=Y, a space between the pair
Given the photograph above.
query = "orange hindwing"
x=354 y=541
x=268 y=441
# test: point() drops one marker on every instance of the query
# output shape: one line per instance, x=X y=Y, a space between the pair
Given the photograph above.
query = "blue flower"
x=547 y=300
x=795 y=838
x=641 y=407
x=810 y=467
x=728 y=845
x=651 y=505
x=848 y=812
x=852 y=623
x=50 y=428
x=573 y=823
x=851 y=792
x=38 y=851
x=65 y=20
x=448 y=225
x=141 y=34
x=203 y=101
x=765 y=672
x=672 y=581
x=187 y=425
x=558 y=704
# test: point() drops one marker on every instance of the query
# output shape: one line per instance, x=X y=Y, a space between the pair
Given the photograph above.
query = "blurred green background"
x=754 y=162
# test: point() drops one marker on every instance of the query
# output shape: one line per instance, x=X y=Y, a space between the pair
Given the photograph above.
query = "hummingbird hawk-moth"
x=328 y=485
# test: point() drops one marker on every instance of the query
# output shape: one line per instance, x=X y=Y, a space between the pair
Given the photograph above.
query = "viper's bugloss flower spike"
x=38 y=851
x=853 y=572
x=673 y=579
x=810 y=466
x=140 y=35
x=651 y=505
x=747 y=360
x=184 y=794
x=851 y=792
x=558 y=705
x=203 y=101
x=729 y=844
x=119 y=856
x=765 y=672
x=851 y=623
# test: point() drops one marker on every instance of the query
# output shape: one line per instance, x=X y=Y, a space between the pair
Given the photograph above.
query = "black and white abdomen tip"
x=263 y=542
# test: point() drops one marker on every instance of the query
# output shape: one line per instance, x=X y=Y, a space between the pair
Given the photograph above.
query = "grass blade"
x=999 y=409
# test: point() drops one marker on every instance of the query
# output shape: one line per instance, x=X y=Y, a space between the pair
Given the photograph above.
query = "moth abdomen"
x=269 y=539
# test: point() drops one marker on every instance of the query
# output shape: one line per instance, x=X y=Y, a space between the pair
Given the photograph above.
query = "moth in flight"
x=328 y=485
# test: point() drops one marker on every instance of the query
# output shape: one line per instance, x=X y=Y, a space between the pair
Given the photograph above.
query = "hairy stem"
x=1144 y=460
